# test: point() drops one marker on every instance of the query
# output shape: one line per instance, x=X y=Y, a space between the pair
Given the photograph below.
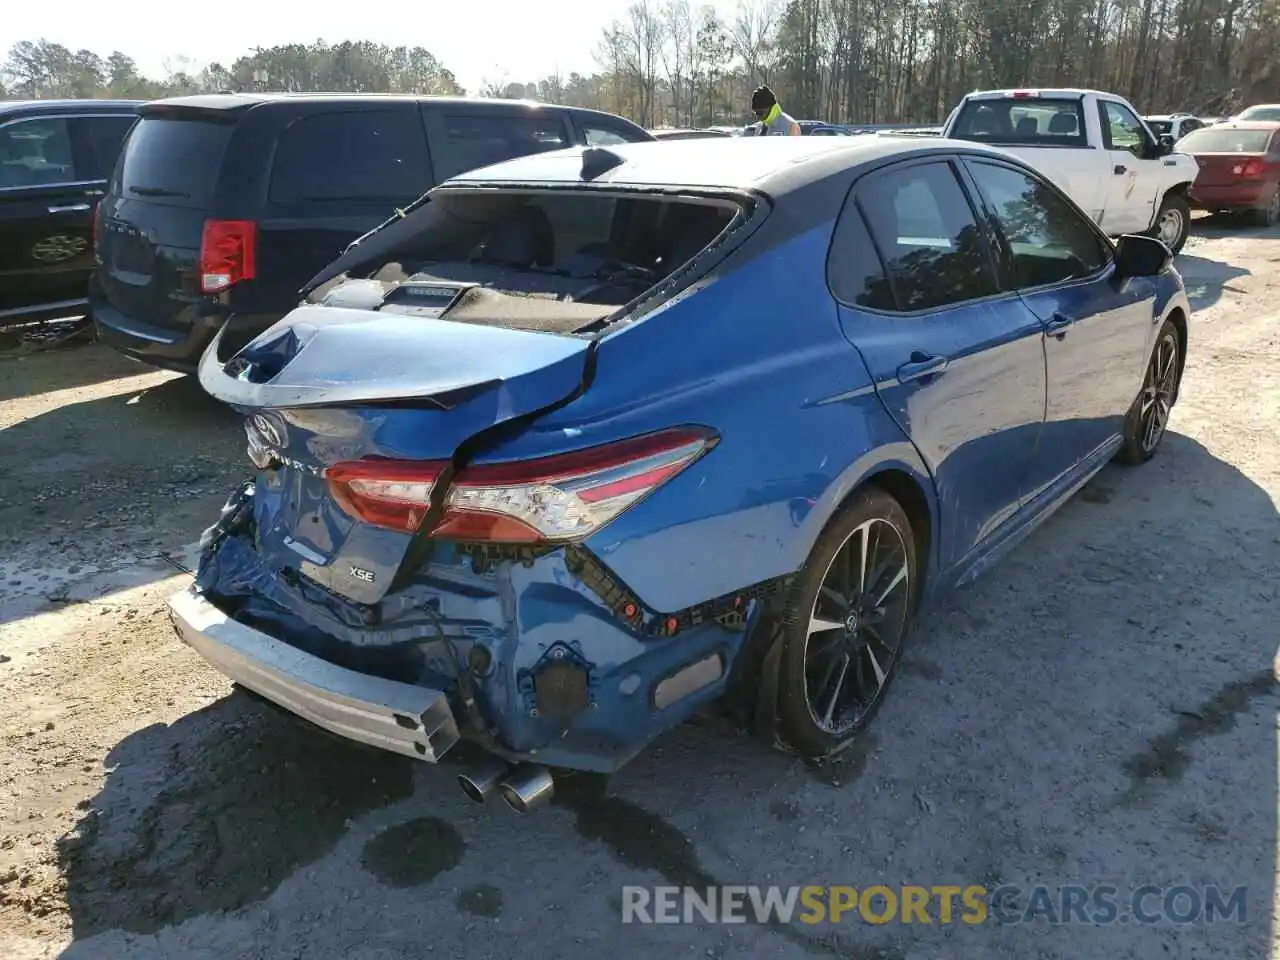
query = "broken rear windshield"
x=583 y=246
x=1030 y=121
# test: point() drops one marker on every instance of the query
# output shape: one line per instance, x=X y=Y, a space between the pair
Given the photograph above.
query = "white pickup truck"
x=1095 y=148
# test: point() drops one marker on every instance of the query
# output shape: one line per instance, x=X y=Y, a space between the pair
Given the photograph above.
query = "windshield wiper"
x=157 y=192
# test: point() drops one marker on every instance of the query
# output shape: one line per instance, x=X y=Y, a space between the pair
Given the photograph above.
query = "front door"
x=1097 y=332
x=957 y=364
x=1135 y=170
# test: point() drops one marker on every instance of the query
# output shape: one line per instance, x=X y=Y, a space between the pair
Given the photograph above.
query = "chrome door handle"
x=71 y=208
x=920 y=366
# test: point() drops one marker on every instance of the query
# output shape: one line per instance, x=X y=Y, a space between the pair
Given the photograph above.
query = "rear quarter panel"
x=756 y=352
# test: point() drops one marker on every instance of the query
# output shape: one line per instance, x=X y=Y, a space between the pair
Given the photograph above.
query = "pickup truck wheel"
x=1173 y=222
x=1268 y=215
x=1148 y=418
x=844 y=625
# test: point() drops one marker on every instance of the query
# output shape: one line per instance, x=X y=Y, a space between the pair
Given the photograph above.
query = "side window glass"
x=372 y=156
x=932 y=245
x=854 y=270
x=1048 y=241
x=36 y=153
x=103 y=138
x=602 y=136
x=1121 y=130
x=470 y=141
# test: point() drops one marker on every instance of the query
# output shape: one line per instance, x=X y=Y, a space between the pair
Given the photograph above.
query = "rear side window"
x=469 y=141
x=174 y=162
x=854 y=270
x=370 y=155
x=1032 y=121
x=104 y=136
x=922 y=223
x=37 y=152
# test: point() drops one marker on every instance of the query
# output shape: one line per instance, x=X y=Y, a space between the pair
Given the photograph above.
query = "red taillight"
x=552 y=499
x=227 y=254
x=1252 y=167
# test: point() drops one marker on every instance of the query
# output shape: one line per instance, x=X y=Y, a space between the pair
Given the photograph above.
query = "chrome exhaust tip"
x=529 y=785
x=477 y=784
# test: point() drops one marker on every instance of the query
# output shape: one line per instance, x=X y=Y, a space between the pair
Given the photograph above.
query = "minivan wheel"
x=1173 y=222
x=844 y=624
x=1148 y=418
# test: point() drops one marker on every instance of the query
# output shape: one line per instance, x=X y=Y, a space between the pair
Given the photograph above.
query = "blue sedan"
x=586 y=441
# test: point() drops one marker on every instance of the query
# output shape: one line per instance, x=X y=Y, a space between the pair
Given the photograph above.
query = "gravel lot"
x=1098 y=709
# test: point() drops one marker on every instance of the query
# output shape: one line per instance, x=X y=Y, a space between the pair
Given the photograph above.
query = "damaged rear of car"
x=481 y=507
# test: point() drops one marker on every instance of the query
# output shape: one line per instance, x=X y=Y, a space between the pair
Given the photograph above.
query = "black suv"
x=55 y=156
x=221 y=207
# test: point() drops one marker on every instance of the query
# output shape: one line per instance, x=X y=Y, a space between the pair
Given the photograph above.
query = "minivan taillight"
x=227 y=254
x=555 y=499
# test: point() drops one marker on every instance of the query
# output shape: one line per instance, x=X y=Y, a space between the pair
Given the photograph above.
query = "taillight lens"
x=228 y=254
x=1250 y=168
x=554 y=499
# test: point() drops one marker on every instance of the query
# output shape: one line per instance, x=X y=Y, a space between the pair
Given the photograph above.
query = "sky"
x=479 y=40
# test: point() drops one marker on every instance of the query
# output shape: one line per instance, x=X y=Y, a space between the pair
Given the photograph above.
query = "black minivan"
x=222 y=206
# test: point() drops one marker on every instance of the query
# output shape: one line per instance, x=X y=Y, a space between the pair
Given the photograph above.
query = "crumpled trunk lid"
x=327 y=385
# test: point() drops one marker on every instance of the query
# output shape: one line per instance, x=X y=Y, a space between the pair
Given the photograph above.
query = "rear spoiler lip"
x=220 y=385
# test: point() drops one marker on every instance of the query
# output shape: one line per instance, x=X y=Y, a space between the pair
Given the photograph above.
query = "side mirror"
x=1139 y=256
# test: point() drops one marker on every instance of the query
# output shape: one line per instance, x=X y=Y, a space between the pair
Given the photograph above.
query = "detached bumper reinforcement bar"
x=400 y=717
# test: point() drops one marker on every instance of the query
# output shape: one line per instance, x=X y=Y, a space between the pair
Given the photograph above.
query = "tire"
x=1172 y=232
x=1268 y=215
x=1156 y=399
x=855 y=651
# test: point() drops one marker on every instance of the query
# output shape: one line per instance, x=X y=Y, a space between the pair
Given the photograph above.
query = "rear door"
x=337 y=172
x=152 y=218
x=49 y=184
x=469 y=136
x=1098 y=332
x=958 y=364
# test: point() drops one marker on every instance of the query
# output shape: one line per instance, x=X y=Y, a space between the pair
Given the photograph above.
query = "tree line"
x=670 y=63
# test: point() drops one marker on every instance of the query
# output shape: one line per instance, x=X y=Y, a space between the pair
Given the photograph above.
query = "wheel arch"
x=1180 y=189
x=1178 y=317
x=903 y=476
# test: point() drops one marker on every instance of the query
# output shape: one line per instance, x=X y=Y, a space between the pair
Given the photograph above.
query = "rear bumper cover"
x=1229 y=197
x=403 y=718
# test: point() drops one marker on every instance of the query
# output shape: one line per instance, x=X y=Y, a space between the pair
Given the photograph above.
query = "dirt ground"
x=1098 y=709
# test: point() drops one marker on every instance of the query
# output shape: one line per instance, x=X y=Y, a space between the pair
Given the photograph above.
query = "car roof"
x=15 y=108
x=232 y=101
x=771 y=165
x=1063 y=92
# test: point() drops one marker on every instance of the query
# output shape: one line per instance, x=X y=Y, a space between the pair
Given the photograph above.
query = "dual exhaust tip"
x=523 y=787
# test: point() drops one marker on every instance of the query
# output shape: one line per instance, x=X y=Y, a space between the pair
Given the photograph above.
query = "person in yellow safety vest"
x=773 y=122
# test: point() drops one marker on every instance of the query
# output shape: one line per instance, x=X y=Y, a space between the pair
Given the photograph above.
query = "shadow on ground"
x=1097 y=710
x=26 y=371
x=1207 y=279
x=85 y=485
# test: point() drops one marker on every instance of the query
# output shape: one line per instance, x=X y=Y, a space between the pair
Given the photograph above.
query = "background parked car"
x=1260 y=111
x=55 y=156
x=223 y=206
x=1175 y=125
x=1239 y=169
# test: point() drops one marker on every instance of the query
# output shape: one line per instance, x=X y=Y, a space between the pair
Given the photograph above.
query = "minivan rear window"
x=173 y=162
